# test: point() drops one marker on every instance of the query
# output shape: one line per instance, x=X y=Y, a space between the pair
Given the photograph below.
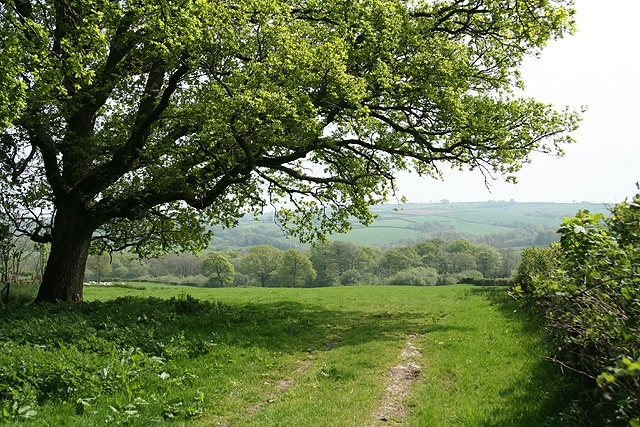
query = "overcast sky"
x=597 y=67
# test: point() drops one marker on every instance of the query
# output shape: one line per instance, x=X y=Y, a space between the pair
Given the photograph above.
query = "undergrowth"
x=103 y=358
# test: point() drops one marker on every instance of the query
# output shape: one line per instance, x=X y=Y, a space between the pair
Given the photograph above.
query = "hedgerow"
x=588 y=290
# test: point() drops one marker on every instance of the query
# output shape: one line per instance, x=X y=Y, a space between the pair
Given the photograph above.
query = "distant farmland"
x=506 y=224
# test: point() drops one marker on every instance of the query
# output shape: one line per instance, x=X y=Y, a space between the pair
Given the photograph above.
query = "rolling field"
x=399 y=224
x=344 y=356
x=483 y=218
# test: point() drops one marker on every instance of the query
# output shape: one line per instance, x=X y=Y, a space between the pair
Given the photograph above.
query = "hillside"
x=502 y=224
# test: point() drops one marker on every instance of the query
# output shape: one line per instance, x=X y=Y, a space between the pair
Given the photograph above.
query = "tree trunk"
x=63 y=276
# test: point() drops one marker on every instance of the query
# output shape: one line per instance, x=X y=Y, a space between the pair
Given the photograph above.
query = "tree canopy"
x=135 y=124
x=218 y=268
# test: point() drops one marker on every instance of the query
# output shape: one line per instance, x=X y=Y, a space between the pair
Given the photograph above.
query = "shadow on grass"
x=548 y=396
x=152 y=324
x=189 y=328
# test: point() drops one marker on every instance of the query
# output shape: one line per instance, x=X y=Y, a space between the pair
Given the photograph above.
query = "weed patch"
x=102 y=356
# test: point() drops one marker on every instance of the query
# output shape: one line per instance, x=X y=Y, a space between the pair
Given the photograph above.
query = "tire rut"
x=392 y=409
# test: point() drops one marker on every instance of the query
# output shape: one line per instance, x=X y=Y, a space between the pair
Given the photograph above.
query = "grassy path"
x=345 y=356
x=480 y=363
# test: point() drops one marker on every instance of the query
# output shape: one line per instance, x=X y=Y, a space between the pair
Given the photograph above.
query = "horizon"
x=399 y=206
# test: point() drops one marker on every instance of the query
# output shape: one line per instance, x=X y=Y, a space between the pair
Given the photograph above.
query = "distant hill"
x=501 y=224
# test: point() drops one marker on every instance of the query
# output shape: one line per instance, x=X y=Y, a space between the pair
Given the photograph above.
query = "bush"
x=619 y=389
x=484 y=281
x=534 y=264
x=588 y=289
x=469 y=274
x=418 y=276
x=197 y=280
x=447 y=279
x=351 y=277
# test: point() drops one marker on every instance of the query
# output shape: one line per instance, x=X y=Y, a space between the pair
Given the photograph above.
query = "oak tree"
x=218 y=269
x=295 y=270
x=262 y=261
x=135 y=124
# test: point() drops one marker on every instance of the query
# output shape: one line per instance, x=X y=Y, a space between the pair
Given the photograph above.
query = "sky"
x=597 y=67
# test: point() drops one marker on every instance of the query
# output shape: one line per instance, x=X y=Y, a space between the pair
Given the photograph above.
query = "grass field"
x=344 y=356
x=398 y=224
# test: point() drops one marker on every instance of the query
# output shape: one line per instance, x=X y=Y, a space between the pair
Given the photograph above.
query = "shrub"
x=535 y=263
x=351 y=277
x=590 y=298
x=484 y=281
x=418 y=276
x=619 y=389
x=470 y=274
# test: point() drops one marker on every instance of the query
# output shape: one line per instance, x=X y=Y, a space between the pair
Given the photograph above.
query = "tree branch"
x=148 y=114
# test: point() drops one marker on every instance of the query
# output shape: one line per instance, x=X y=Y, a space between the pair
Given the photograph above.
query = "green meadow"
x=151 y=354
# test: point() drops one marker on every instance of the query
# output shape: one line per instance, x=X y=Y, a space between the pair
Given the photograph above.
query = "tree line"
x=431 y=262
x=517 y=234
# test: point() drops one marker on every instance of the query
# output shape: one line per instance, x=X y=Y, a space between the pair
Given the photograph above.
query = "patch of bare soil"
x=281 y=386
x=399 y=379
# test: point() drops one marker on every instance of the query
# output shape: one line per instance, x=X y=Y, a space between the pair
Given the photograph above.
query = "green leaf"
x=605 y=377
